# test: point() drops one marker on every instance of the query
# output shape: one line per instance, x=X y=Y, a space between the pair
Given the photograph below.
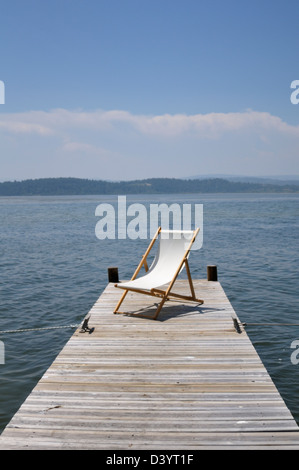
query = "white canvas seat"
x=172 y=256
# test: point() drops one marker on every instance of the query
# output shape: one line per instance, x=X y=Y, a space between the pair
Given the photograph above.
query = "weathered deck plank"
x=185 y=381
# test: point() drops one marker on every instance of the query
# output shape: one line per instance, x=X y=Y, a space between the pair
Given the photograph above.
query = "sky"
x=133 y=89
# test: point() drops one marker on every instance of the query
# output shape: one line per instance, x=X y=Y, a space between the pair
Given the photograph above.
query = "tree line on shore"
x=80 y=186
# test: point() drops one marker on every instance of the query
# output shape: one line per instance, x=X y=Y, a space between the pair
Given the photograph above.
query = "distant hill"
x=78 y=186
x=282 y=180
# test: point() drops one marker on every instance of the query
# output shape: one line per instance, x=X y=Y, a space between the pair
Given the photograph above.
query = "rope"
x=39 y=329
x=76 y=326
x=271 y=324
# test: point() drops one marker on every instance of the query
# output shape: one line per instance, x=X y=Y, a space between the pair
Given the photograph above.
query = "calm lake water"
x=53 y=269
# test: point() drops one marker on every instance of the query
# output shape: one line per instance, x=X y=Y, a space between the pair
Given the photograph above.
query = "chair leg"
x=160 y=307
x=190 y=279
x=120 y=301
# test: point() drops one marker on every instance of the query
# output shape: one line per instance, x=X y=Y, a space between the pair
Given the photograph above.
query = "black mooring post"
x=113 y=275
x=212 y=273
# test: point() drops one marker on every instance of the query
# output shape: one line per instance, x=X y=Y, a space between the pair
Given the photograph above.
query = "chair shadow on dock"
x=169 y=311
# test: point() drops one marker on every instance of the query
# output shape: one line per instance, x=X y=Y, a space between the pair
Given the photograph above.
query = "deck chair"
x=172 y=256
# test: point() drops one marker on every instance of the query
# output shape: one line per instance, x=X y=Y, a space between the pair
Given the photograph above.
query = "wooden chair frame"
x=164 y=295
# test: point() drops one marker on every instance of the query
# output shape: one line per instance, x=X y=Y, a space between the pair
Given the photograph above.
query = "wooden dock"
x=188 y=380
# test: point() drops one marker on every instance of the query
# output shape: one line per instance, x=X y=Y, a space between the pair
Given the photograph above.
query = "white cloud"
x=24 y=127
x=82 y=147
x=119 y=144
x=211 y=125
